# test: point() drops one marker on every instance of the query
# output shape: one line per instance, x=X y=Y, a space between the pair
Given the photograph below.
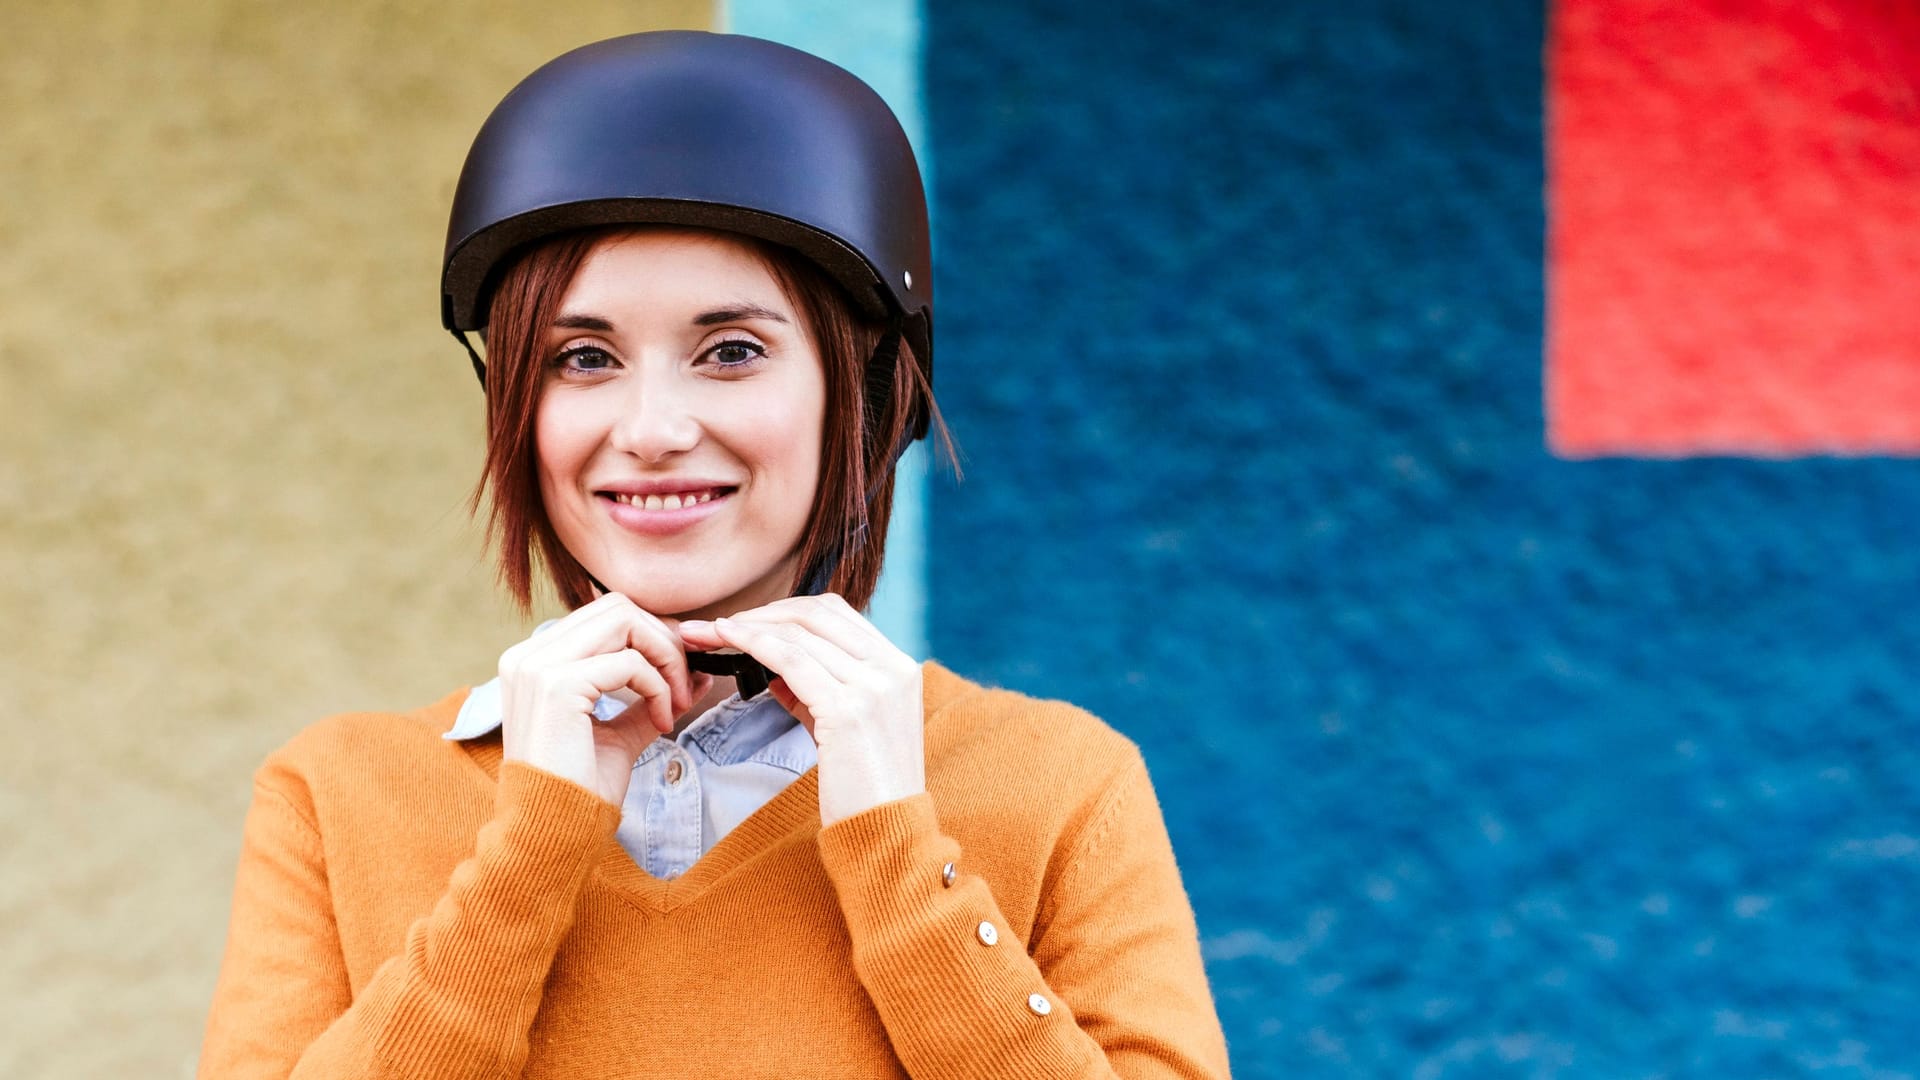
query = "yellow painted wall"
x=237 y=450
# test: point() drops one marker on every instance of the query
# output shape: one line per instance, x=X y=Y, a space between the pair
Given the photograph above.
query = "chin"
x=675 y=601
x=682 y=594
x=704 y=586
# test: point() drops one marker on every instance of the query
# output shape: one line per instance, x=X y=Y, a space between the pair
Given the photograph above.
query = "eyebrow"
x=736 y=313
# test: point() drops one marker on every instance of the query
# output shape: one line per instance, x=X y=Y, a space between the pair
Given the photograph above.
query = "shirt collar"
x=481 y=713
x=756 y=729
x=727 y=734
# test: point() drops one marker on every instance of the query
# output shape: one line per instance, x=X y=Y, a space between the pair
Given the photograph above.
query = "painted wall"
x=1479 y=762
x=238 y=447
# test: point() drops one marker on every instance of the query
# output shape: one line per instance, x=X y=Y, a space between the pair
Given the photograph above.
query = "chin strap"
x=750 y=676
x=479 y=365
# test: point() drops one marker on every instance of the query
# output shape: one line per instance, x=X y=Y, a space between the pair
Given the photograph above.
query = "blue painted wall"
x=1478 y=762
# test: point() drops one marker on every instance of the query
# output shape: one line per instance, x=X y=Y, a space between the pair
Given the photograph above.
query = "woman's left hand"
x=856 y=693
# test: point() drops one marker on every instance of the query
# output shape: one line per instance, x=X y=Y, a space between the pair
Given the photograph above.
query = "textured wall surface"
x=1733 y=191
x=237 y=445
x=1480 y=763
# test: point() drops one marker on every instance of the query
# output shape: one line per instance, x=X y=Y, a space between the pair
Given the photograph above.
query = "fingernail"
x=695 y=624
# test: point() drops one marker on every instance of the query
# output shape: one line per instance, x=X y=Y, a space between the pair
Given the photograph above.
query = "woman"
x=701 y=264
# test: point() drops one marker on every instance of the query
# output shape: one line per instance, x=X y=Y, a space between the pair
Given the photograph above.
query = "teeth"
x=667 y=502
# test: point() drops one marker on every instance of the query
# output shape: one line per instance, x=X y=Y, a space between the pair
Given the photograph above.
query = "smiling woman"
x=699 y=378
x=575 y=282
x=679 y=442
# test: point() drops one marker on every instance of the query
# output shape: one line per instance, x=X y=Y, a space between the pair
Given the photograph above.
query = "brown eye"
x=733 y=354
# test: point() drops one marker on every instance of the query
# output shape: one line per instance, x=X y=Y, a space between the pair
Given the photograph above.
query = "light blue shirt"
x=689 y=790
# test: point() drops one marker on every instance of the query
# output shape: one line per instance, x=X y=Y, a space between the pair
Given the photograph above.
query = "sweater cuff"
x=921 y=937
x=886 y=858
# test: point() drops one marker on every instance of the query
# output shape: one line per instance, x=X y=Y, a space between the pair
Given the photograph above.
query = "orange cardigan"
x=408 y=907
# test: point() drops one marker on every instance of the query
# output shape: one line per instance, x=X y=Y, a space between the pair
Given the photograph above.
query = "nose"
x=657 y=419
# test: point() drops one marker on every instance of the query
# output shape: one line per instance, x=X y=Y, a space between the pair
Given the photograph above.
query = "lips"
x=663 y=507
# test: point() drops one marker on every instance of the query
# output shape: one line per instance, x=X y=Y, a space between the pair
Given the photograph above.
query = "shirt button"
x=1039 y=1004
x=988 y=935
x=674 y=771
x=946 y=875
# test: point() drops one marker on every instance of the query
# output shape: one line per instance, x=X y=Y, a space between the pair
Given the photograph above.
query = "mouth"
x=667 y=500
x=665 y=509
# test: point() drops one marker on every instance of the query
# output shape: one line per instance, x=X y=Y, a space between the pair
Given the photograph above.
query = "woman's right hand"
x=549 y=683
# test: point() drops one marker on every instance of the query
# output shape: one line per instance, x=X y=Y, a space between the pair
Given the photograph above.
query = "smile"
x=665 y=513
x=669 y=501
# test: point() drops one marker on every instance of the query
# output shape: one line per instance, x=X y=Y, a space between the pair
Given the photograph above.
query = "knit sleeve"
x=457 y=1000
x=1111 y=986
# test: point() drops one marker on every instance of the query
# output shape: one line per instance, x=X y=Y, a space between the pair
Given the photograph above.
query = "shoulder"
x=365 y=750
x=975 y=726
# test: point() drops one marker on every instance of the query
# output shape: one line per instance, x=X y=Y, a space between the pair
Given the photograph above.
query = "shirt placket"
x=673 y=813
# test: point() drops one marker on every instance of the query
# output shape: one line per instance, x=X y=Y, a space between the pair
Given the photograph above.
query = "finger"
x=627 y=669
x=843 y=666
x=699 y=634
x=827 y=614
x=805 y=675
x=831 y=618
x=662 y=648
x=657 y=696
x=597 y=627
x=608 y=624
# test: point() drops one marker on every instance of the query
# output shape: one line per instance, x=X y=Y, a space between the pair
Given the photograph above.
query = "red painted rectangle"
x=1734 y=234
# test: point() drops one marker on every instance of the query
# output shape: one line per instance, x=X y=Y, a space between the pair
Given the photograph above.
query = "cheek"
x=558 y=446
x=788 y=439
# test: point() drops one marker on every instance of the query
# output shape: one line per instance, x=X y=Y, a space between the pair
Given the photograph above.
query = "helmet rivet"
x=907 y=276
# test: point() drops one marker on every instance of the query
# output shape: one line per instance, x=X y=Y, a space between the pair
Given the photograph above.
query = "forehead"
x=666 y=268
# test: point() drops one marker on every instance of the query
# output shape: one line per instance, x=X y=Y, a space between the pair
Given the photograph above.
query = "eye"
x=736 y=353
x=584 y=358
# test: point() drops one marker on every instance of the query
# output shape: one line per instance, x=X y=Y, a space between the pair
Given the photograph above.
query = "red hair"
x=857 y=441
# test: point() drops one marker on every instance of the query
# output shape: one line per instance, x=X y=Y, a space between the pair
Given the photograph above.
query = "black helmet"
x=684 y=127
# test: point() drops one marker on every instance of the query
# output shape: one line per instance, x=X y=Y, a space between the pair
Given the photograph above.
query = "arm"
x=1115 y=962
x=1115 y=953
x=459 y=998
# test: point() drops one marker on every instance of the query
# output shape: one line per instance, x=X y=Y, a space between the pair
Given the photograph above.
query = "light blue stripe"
x=878 y=40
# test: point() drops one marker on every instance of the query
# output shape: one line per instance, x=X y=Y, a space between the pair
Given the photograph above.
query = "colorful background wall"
x=1467 y=446
x=1482 y=761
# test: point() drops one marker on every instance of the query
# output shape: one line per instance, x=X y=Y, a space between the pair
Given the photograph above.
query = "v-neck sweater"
x=407 y=906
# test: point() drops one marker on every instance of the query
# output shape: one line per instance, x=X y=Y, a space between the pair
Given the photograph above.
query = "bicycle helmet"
x=720 y=131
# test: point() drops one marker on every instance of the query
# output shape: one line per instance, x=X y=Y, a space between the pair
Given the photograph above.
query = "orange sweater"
x=407 y=907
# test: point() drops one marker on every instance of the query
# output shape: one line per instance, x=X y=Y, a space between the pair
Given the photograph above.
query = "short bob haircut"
x=526 y=300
